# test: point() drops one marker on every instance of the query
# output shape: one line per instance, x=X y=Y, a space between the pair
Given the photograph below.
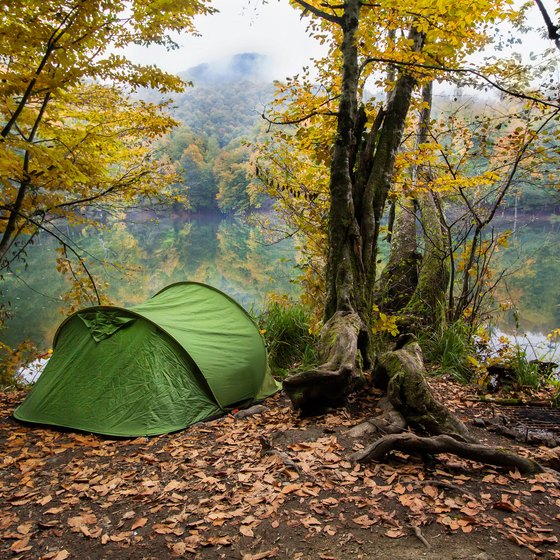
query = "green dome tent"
x=187 y=354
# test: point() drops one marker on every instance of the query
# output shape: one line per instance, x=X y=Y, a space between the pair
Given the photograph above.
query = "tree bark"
x=401 y=374
x=400 y=277
x=340 y=372
x=360 y=178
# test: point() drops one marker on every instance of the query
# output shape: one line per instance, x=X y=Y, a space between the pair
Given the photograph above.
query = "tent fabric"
x=218 y=334
x=187 y=354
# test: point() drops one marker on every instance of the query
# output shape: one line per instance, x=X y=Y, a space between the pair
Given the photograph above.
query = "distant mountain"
x=239 y=68
x=227 y=98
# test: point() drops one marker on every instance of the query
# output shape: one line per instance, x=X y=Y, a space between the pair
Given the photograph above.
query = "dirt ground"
x=211 y=491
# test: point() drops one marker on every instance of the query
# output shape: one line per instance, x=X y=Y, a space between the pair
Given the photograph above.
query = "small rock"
x=257 y=409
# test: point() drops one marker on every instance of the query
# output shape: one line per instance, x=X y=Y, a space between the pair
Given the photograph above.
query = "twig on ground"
x=268 y=449
x=418 y=534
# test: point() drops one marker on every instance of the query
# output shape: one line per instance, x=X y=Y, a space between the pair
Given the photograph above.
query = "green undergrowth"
x=289 y=342
x=450 y=348
x=455 y=350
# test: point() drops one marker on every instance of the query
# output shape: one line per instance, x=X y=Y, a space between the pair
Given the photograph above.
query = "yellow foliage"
x=383 y=323
x=71 y=135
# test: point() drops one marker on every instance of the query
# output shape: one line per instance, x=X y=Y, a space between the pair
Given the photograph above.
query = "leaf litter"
x=211 y=492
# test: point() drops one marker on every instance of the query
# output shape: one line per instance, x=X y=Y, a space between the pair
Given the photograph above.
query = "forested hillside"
x=219 y=115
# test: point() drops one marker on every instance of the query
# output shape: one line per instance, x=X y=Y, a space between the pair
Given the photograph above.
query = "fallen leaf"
x=54 y=511
x=246 y=531
x=431 y=491
x=516 y=475
x=119 y=537
x=25 y=528
x=21 y=545
x=289 y=488
x=178 y=549
x=364 y=521
x=505 y=506
x=395 y=533
x=223 y=541
x=139 y=523
x=84 y=519
x=56 y=555
x=45 y=500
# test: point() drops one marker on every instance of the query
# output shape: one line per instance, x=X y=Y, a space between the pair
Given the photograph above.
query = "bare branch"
x=472 y=71
x=319 y=13
x=551 y=28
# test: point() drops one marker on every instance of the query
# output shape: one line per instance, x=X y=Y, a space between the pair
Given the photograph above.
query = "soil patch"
x=213 y=491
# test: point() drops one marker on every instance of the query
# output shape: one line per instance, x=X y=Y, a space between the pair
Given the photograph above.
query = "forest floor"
x=211 y=492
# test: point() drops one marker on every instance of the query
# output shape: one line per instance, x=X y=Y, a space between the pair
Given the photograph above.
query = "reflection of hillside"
x=222 y=252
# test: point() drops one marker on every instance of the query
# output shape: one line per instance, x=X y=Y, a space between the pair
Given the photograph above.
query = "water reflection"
x=152 y=252
x=234 y=256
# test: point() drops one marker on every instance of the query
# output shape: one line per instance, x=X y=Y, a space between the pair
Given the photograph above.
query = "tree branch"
x=472 y=71
x=551 y=28
x=319 y=13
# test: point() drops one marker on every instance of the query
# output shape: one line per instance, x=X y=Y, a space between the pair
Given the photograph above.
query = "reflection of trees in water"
x=227 y=253
x=533 y=261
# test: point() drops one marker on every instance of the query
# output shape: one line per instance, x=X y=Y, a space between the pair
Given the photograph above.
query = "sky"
x=273 y=29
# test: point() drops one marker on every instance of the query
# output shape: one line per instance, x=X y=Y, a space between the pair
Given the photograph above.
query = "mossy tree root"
x=328 y=385
x=401 y=372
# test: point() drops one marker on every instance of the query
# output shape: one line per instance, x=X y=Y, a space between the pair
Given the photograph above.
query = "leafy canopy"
x=70 y=135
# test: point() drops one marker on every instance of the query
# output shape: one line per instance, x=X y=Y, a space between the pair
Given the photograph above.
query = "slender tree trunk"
x=400 y=277
x=14 y=211
x=428 y=299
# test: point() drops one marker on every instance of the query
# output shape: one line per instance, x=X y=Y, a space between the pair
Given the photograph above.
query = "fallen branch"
x=509 y=402
x=410 y=443
x=418 y=534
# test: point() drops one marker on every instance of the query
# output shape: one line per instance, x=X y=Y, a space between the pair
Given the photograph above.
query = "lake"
x=229 y=253
x=233 y=255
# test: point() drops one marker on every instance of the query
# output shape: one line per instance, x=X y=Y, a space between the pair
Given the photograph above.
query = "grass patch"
x=451 y=348
x=290 y=345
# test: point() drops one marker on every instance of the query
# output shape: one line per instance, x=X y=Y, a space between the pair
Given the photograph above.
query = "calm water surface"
x=236 y=257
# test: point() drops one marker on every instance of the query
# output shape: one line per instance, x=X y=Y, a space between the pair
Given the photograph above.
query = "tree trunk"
x=400 y=277
x=360 y=179
x=428 y=300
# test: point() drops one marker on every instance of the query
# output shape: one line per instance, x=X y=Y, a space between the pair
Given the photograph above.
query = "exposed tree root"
x=409 y=401
x=328 y=385
x=401 y=372
x=410 y=443
x=388 y=422
x=418 y=534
